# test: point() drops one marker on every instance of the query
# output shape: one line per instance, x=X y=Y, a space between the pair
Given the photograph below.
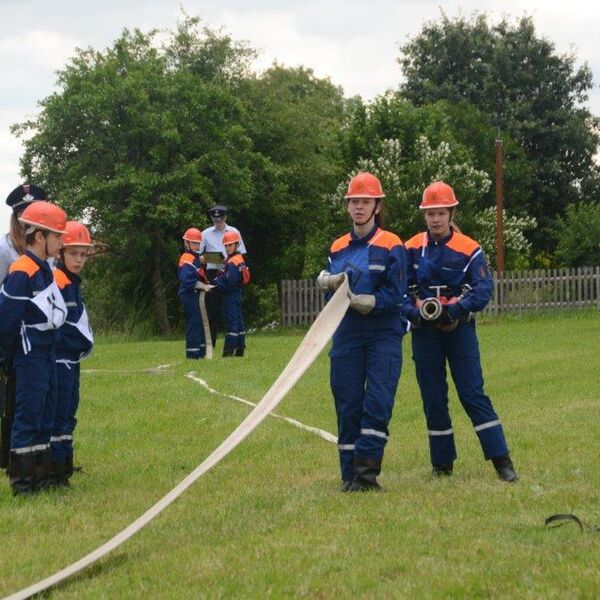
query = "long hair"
x=453 y=223
x=380 y=217
x=17 y=234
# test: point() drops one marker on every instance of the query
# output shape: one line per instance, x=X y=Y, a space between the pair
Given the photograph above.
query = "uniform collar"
x=43 y=264
x=363 y=240
x=72 y=277
x=432 y=242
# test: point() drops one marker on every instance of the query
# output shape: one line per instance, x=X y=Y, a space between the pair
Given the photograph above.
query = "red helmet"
x=192 y=235
x=438 y=195
x=231 y=237
x=45 y=215
x=76 y=234
x=364 y=185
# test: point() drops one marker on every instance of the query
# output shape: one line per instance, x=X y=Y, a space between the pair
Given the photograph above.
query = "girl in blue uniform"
x=75 y=343
x=192 y=278
x=366 y=355
x=451 y=267
x=31 y=311
x=231 y=277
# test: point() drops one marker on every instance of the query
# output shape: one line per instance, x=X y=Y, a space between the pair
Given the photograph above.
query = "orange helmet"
x=192 y=235
x=438 y=195
x=76 y=234
x=364 y=185
x=45 y=215
x=231 y=237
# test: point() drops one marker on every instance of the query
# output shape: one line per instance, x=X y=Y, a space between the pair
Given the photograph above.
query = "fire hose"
x=310 y=347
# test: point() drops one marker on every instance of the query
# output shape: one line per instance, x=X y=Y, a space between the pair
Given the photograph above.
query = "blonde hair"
x=17 y=234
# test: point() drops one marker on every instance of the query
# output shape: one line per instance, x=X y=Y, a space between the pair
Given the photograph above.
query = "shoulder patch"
x=463 y=244
x=416 y=241
x=61 y=278
x=385 y=239
x=25 y=264
x=237 y=260
x=341 y=243
x=186 y=259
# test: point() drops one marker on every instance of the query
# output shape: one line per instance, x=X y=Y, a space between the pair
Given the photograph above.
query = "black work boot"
x=68 y=467
x=240 y=351
x=346 y=483
x=442 y=470
x=21 y=471
x=42 y=469
x=228 y=351
x=365 y=474
x=504 y=468
x=58 y=474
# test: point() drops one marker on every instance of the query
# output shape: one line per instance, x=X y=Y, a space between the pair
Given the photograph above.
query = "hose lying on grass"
x=308 y=350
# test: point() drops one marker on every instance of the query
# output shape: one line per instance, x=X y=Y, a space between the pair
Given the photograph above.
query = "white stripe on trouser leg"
x=487 y=425
x=444 y=432
x=375 y=433
x=345 y=446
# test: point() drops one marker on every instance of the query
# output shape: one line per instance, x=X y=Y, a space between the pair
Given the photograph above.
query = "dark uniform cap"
x=23 y=195
x=218 y=211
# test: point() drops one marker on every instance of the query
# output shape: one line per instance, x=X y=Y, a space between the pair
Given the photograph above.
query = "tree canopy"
x=525 y=89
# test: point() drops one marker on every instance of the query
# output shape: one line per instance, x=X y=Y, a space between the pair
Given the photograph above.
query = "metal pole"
x=499 y=207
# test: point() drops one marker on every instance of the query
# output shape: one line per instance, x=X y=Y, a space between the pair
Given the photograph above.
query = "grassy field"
x=269 y=521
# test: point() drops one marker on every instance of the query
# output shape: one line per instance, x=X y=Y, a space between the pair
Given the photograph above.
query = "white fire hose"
x=310 y=347
x=205 y=324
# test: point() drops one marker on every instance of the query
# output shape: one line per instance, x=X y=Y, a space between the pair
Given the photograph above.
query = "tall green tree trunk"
x=160 y=298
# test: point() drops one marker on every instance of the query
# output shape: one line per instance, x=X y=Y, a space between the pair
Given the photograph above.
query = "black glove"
x=446 y=318
x=414 y=316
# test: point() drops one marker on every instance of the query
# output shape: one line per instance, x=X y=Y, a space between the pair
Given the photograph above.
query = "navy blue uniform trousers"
x=431 y=349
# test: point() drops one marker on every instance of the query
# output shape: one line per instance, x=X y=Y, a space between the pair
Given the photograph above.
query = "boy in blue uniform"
x=192 y=278
x=366 y=354
x=449 y=270
x=75 y=342
x=230 y=279
x=31 y=311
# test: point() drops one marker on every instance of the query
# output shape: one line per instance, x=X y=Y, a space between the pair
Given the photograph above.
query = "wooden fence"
x=514 y=291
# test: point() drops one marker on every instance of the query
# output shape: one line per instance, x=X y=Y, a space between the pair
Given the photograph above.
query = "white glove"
x=363 y=303
x=205 y=287
x=326 y=281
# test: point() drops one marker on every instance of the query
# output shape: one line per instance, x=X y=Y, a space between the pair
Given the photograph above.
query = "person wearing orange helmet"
x=12 y=245
x=75 y=343
x=450 y=280
x=231 y=277
x=192 y=278
x=366 y=354
x=31 y=311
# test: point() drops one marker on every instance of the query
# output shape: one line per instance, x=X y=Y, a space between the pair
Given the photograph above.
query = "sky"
x=354 y=43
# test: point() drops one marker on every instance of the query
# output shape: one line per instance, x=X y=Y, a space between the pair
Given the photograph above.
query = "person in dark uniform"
x=192 y=277
x=12 y=245
x=31 y=311
x=212 y=243
x=451 y=281
x=366 y=354
x=231 y=277
x=75 y=342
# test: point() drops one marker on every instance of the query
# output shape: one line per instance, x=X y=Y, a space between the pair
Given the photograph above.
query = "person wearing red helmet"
x=231 y=277
x=192 y=278
x=31 y=311
x=75 y=342
x=450 y=280
x=366 y=354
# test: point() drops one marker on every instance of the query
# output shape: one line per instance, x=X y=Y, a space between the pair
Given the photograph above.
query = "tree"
x=579 y=235
x=525 y=89
x=139 y=138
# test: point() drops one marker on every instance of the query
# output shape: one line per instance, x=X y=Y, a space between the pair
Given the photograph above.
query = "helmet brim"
x=44 y=227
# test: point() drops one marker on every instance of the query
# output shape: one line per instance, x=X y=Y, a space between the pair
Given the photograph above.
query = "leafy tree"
x=524 y=88
x=138 y=139
x=579 y=235
x=294 y=120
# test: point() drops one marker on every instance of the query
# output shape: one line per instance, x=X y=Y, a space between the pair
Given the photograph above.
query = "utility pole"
x=499 y=206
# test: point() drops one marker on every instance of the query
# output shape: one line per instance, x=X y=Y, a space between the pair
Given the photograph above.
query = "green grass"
x=269 y=520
